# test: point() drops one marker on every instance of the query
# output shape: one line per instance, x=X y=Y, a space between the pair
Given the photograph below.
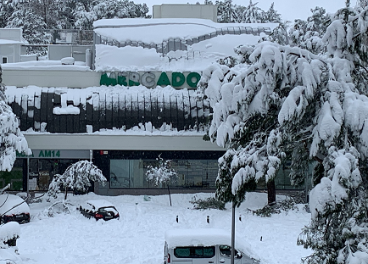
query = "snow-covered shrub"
x=277 y=208
x=161 y=174
x=9 y=232
x=76 y=177
x=209 y=203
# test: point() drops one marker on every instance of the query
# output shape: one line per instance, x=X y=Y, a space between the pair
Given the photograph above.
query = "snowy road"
x=138 y=236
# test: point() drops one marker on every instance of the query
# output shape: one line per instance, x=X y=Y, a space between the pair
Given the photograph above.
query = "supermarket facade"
x=132 y=100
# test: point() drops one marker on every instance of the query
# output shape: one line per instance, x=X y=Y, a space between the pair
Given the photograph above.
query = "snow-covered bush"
x=76 y=177
x=209 y=203
x=161 y=174
x=9 y=232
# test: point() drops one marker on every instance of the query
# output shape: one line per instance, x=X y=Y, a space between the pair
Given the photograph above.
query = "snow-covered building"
x=137 y=102
x=11 y=45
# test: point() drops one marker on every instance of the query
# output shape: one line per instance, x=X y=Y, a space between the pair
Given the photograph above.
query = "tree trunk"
x=66 y=193
x=271 y=191
x=168 y=188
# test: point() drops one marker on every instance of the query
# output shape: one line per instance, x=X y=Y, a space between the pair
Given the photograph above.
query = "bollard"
x=177 y=219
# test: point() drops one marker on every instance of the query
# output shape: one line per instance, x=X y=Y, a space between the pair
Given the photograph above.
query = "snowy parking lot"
x=138 y=236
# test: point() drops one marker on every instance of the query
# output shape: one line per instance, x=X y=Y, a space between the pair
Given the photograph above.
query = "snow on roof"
x=7 y=201
x=197 y=237
x=7 y=41
x=45 y=65
x=198 y=57
x=160 y=29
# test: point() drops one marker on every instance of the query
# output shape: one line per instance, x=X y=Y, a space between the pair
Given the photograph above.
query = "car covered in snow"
x=99 y=209
x=207 y=245
x=13 y=208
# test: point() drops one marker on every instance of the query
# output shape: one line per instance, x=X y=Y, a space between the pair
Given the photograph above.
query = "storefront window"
x=13 y=177
x=190 y=173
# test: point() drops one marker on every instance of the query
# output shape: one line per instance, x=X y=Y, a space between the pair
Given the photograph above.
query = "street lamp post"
x=232 y=233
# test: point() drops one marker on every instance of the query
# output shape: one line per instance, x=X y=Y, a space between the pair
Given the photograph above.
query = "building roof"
x=158 y=30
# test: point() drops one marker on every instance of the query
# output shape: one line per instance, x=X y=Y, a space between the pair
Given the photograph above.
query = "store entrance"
x=42 y=171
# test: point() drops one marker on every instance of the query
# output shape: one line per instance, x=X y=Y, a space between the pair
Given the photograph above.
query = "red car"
x=99 y=209
x=13 y=208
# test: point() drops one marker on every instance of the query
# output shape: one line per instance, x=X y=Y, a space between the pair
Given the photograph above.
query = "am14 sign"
x=151 y=79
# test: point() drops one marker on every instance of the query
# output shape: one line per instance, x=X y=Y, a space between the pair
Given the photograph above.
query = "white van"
x=201 y=246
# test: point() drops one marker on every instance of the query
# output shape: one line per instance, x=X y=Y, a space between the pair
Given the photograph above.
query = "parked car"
x=99 y=209
x=201 y=246
x=13 y=208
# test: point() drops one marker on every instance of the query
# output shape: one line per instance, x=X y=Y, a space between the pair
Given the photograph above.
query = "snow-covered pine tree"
x=279 y=34
x=297 y=32
x=253 y=14
x=11 y=138
x=290 y=99
x=32 y=24
x=247 y=104
x=316 y=27
x=338 y=231
x=308 y=34
x=225 y=12
x=272 y=16
x=86 y=12
x=77 y=177
x=6 y=10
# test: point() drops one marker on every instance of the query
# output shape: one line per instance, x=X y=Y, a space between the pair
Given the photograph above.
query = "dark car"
x=99 y=209
x=13 y=208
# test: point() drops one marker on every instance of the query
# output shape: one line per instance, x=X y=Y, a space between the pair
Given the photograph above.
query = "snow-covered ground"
x=138 y=236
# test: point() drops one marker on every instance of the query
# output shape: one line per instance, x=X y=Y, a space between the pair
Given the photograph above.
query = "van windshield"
x=194 y=252
x=226 y=250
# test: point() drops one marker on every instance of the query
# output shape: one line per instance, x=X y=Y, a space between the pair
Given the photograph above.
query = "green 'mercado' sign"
x=151 y=79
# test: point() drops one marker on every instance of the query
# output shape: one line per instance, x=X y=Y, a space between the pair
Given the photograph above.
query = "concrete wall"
x=11 y=52
x=51 y=78
x=185 y=11
x=11 y=34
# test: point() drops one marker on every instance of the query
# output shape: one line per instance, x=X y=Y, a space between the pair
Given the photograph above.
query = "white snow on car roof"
x=197 y=237
x=99 y=203
x=7 y=201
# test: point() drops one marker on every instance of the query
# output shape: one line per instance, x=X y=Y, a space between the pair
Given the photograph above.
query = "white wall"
x=51 y=78
x=185 y=11
x=120 y=142
x=11 y=52
x=11 y=34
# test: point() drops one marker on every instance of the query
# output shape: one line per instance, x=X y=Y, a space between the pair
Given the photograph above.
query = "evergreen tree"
x=272 y=16
x=226 y=12
x=6 y=10
x=11 y=138
x=33 y=26
x=290 y=100
x=253 y=14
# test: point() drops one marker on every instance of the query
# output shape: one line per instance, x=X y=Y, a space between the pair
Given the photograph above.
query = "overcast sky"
x=289 y=9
